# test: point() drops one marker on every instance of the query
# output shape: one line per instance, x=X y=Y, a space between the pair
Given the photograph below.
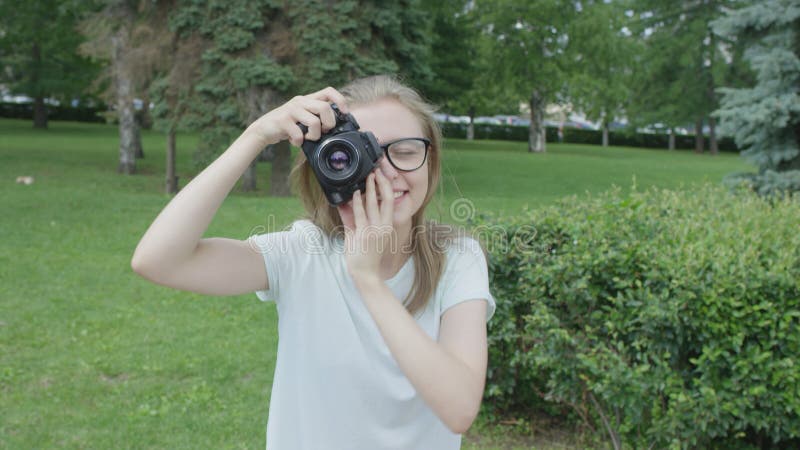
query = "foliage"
x=680 y=63
x=236 y=65
x=600 y=54
x=257 y=54
x=453 y=54
x=339 y=41
x=465 y=79
x=660 y=318
x=765 y=118
x=144 y=49
x=528 y=41
x=38 y=50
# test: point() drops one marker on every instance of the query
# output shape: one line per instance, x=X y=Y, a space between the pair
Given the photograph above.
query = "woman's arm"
x=448 y=374
x=172 y=252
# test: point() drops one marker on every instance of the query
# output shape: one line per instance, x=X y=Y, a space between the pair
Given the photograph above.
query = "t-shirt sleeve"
x=285 y=254
x=466 y=276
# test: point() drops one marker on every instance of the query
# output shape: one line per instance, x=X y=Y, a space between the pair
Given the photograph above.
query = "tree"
x=453 y=56
x=681 y=65
x=337 y=41
x=258 y=53
x=240 y=75
x=463 y=81
x=528 y=41
x=600 y=53
x=128 y=36
x=765 y=117
x=172 y=89
x=38 y=52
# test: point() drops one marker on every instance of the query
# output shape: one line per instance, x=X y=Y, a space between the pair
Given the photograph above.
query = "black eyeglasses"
x=407 y=154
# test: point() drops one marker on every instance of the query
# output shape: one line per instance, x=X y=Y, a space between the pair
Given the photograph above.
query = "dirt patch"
x=114 y=379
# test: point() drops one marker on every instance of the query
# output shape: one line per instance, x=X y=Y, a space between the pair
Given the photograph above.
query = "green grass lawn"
x=92 y=356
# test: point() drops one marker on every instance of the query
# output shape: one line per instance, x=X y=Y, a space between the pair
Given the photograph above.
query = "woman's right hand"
x=312 y=110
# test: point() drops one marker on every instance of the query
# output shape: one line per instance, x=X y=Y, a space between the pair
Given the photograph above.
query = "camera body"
x=342 y=158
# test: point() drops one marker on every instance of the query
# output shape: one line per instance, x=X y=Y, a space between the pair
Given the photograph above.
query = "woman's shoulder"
x=453 y=240
x=304 y=226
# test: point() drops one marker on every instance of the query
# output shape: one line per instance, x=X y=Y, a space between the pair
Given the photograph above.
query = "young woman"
x=382 y=315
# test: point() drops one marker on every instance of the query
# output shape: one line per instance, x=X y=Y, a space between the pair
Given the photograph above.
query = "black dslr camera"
x=342 y=158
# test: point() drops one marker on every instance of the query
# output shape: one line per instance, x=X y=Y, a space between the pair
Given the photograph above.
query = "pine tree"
x=172 y=91
x=461 y=59
x=453 y=53
x=258 y=53
x=240 y=75
x=765 y=118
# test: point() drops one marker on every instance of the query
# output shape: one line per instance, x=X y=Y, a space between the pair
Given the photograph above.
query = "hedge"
x=77 y=114
x=582 y=136
x=658 y=319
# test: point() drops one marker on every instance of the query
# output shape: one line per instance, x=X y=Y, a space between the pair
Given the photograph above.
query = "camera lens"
x=338 y=160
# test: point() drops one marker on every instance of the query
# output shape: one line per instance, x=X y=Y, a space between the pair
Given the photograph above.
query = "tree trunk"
x=138 y=153
x=536 y=136
x=605 y=131
x=281 y=164
x=671 y=144
x=142 y=119
x=171 y=181
x=39 y=108
x=698 y=136
x=123 y=86
x=256 y=101
x=712 y=122
x=249 y=178
x=471 y=126
x=267 y=155
x=712 y=135
x=39 y=112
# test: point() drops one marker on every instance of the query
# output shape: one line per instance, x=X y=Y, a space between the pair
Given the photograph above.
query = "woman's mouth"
x=398 y=195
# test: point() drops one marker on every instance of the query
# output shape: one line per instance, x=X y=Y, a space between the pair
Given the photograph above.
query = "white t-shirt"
x=336 y=384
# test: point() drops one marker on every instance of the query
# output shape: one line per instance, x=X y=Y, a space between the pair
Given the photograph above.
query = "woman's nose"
x=387 y=168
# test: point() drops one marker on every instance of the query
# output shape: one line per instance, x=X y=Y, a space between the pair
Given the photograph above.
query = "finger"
x=373 y=216
x=359 y=216
x=293 y=132
x=387 y=193
x=330 y=94
x=321 y=109
x=311 y=121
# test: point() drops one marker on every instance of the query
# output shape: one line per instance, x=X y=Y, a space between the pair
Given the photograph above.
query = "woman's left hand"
x=368 y=226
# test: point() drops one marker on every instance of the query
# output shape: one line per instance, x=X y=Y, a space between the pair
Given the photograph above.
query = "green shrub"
x=660 y=319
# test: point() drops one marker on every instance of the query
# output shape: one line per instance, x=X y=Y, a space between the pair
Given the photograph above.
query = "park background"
x=646 y=274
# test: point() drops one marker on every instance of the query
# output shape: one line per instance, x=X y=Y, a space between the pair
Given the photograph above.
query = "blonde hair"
x=428 y=238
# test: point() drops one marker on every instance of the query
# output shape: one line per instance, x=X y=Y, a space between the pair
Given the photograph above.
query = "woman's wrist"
x=366 y=280
x=256 y=136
